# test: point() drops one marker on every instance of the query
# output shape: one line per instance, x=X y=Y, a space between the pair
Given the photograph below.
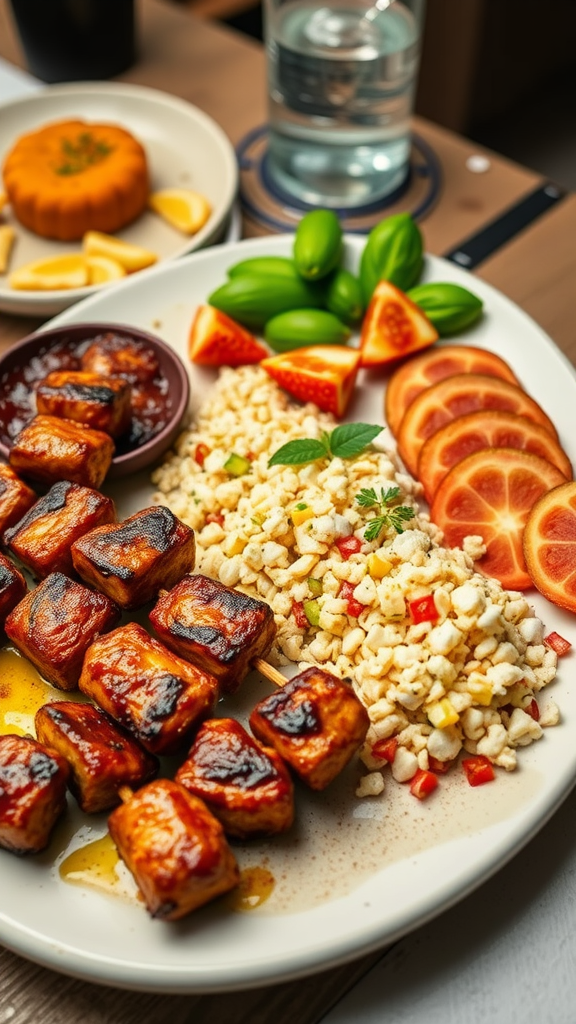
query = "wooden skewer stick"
x=269 y=672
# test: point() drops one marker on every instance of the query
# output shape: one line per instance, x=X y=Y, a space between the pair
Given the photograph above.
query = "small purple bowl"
x=30 y=359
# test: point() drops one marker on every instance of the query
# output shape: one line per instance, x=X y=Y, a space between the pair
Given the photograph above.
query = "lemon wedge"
x=51 y=274
x=102 y=269
x=184 y=209
x=131 y=257
x=7 y=238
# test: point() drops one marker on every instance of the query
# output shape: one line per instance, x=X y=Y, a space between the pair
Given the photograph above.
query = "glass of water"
x=341 y=84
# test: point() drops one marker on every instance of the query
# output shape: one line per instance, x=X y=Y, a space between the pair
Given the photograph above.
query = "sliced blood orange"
x=550 y=545
x=393 y=327
x=324 y=374
x=490 y=494
x=432 y=366
x=217 y=340
x=490 y=428
x=456 y=396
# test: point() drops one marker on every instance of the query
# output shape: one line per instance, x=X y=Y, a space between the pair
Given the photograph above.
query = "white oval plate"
x=185 y=148
x=355 y=874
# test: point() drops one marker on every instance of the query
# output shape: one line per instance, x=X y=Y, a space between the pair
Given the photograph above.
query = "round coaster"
x=266 y=205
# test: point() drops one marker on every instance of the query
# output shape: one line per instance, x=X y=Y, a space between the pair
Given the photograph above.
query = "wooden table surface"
x=223 y=73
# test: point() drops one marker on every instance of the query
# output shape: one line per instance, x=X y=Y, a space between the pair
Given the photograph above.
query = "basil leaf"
x=352 y=438
x=296 y=453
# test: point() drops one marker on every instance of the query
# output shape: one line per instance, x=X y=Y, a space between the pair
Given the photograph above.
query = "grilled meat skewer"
x=42 y=538
x=245 y=784
x=97 y=401
x=214 y=626
x=49 y=449
x=174 y=847
x=157 y=696
x=54 y=625
x=130 y=561
x=33 y=782
x=101 y=755
x=316 y=722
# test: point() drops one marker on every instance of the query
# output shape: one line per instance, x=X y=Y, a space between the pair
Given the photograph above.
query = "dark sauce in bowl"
x=152 y=405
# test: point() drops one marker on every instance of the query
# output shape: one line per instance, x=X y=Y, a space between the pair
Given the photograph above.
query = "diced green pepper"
x=237 y=465
x=312 y=612
x=314 y=586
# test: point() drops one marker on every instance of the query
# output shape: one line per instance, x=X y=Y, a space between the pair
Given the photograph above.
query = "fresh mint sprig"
x=389 y=515
x=345 y=441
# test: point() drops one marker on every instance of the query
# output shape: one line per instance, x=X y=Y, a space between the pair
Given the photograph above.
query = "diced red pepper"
x=346 y=592
x=423 y=783
x=439 y=767
x=348 y=546
x=478 y=770
x=300 y=614
x=423 y=609
x=533 y=710
x=557 y=643
x=385 y=750
x=215 y=517
x=200 y=452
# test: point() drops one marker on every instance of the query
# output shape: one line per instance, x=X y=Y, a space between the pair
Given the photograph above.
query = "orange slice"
x=184 y=209
x=490 y=493
x=55 y=273
x=432 y=366
x=131 y=257
x=456 y=396
x=550 y=545
x=102 y=269
x=490 y=428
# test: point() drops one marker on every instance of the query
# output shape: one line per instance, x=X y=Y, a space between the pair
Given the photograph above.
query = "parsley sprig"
x=389 y=514
x=345 y=441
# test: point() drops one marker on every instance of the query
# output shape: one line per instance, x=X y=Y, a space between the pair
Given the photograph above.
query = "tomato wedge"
x=490 y=493
x=217 y=340
x=550 y=545
x=418 y=373
x=490 y=428
x=456 y=396
x=393 y=327
x=323 y=374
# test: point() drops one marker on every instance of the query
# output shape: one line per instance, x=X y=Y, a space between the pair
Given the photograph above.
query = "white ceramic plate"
x=185 y=148
x=354 y=875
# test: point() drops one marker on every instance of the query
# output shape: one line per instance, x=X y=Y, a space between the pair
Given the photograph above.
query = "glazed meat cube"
x=12 y=587
x=33 y=784
x=43 y=537
x=102 y=403
x=174 y=847
x=112 y=355
x=159 y=697
x=245 y=785
x=54 y=625
x=315 y=722
x=132 y=560
x=214 y=626
x=102 y=756
x=15 y=497
x=50 y=449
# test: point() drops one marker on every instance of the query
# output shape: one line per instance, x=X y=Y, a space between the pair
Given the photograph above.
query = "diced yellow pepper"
x=299 y=515
x=234 y=545
x=442 y=714
x=479 y=688
x=378 y=567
